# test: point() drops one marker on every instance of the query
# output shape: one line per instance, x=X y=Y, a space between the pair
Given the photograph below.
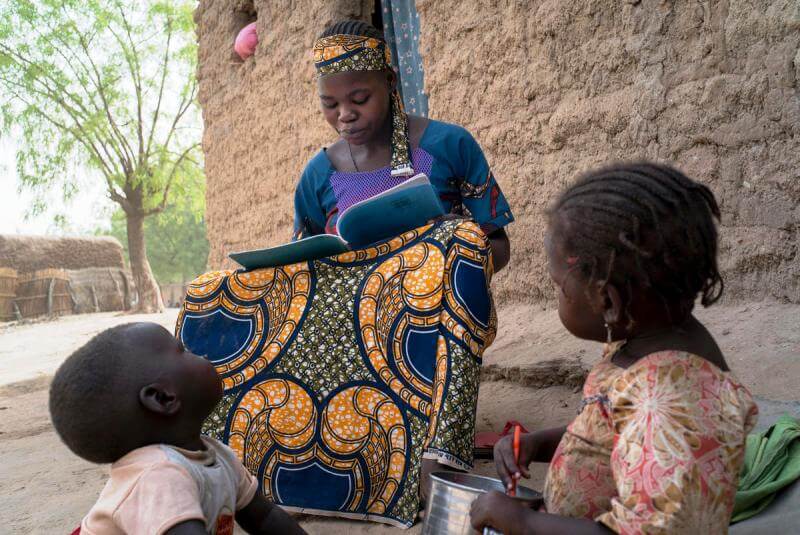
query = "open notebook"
x=404 y=207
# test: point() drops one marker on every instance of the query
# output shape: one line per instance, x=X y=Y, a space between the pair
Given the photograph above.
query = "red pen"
x=512 y=491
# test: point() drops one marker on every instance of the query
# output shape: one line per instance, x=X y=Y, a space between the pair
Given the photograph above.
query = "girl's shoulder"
x=675 y=370
x=673 y=382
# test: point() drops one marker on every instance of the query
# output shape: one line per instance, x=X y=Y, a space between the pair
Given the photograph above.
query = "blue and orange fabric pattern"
x=341 y=374
x=447 y=154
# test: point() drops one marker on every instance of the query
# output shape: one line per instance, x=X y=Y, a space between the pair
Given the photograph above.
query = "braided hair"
x=353 y=27
x=643 y=225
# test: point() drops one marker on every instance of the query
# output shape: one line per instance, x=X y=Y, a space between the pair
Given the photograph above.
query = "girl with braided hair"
x=659 y=440
x=380 y=146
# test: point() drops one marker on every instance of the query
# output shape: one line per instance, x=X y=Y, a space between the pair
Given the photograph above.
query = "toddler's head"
x=632 y=244
x=128 y=387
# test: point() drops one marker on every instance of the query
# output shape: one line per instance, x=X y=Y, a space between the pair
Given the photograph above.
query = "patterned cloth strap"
x=349 y=53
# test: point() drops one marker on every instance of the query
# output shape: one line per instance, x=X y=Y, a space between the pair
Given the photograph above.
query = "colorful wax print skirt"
x=341 y=374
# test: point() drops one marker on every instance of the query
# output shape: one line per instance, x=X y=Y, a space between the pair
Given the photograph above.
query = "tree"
x=108 y=86
x=176 y=238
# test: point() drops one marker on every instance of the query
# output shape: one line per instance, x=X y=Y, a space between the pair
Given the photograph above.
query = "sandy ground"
x=46 y=489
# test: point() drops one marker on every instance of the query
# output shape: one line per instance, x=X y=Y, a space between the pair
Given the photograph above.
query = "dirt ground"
x=46 y=489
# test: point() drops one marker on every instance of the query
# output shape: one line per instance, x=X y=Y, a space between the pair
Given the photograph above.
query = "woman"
x=380 y=146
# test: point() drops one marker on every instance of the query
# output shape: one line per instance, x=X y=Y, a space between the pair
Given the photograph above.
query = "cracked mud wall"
x=549 y=88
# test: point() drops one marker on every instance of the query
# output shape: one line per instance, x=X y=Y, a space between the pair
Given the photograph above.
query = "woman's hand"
x=446 y=217
x=501 y=249
x=498 y=511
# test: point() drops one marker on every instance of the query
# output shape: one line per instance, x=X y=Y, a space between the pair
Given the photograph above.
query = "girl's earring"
x=608 y=333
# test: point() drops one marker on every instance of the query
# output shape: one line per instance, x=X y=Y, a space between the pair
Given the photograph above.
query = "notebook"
x=404 y=207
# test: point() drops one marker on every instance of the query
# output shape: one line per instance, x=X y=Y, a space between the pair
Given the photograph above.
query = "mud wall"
x=549 y=88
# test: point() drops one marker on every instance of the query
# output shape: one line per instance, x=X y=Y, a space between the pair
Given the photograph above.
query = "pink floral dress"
x=656 y=447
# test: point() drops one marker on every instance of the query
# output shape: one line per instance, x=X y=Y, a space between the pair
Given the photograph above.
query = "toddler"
x=133 y=396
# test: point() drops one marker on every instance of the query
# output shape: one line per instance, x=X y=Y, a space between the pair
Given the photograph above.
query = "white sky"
x=89 y=209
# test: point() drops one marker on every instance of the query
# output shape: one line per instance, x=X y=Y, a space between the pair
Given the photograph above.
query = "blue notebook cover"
x=311 y=248
x=402 y=208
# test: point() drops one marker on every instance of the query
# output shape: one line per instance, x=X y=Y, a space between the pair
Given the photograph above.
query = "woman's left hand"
x=496 y=510
x=446 y=217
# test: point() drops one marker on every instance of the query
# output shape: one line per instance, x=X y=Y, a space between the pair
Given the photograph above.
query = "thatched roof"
x=31 y=253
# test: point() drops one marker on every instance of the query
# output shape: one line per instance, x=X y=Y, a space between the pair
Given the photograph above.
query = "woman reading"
x=380 y=146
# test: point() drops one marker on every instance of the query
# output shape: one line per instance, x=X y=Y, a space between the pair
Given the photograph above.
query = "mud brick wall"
x=550 y=88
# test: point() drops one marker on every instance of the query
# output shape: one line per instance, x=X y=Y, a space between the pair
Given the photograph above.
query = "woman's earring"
x=608 y=333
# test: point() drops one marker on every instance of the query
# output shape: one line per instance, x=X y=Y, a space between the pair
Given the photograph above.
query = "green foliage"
x=176 y=242
x=106 y=86
x=177 y=247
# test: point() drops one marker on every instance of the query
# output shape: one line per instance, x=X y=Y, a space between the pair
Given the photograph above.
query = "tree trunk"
x=146 y=286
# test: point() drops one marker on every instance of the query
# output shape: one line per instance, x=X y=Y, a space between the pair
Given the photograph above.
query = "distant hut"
x=59 y=275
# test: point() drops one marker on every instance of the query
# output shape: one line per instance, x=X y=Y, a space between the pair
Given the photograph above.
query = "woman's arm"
x=501 y=249
x=312 y=197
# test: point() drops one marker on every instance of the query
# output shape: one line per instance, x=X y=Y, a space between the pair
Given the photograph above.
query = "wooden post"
x=117 y=288
x=50 y=288
x=72 y=297
x=127 y=304
x=94 y=299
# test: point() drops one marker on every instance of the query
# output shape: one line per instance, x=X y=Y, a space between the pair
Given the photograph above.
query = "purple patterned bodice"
x=354 y=187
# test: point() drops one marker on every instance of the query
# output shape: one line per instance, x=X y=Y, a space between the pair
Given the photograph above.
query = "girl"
x=380 y=146
x=659 y=440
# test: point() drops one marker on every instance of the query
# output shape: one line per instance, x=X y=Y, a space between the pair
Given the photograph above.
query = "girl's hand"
x=496 y=510
x=507 y=468
x=539 y=446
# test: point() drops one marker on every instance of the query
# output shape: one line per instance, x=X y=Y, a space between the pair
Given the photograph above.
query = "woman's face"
x=356 y=104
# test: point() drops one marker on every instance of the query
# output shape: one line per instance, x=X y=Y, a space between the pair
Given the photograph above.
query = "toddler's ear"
x=160 y=399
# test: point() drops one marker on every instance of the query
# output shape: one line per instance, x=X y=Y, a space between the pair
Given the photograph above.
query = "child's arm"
x=262 y=517
x=190 y=527
x=538 y=446
x=503 y=513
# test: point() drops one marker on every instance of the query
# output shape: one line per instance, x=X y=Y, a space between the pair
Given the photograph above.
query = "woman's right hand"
x=507 y=467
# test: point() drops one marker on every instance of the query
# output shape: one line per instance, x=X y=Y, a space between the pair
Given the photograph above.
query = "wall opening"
x=377 y=14
x=244 y=13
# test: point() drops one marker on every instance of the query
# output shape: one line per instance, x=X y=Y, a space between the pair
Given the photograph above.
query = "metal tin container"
x=450 y=497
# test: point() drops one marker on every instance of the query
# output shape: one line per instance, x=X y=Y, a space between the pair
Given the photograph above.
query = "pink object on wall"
x=246 y=41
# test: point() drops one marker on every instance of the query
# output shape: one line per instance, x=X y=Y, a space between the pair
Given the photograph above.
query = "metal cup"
x=451 y=496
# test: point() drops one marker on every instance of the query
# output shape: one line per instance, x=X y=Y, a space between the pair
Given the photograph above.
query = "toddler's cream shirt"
x=154 y=488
